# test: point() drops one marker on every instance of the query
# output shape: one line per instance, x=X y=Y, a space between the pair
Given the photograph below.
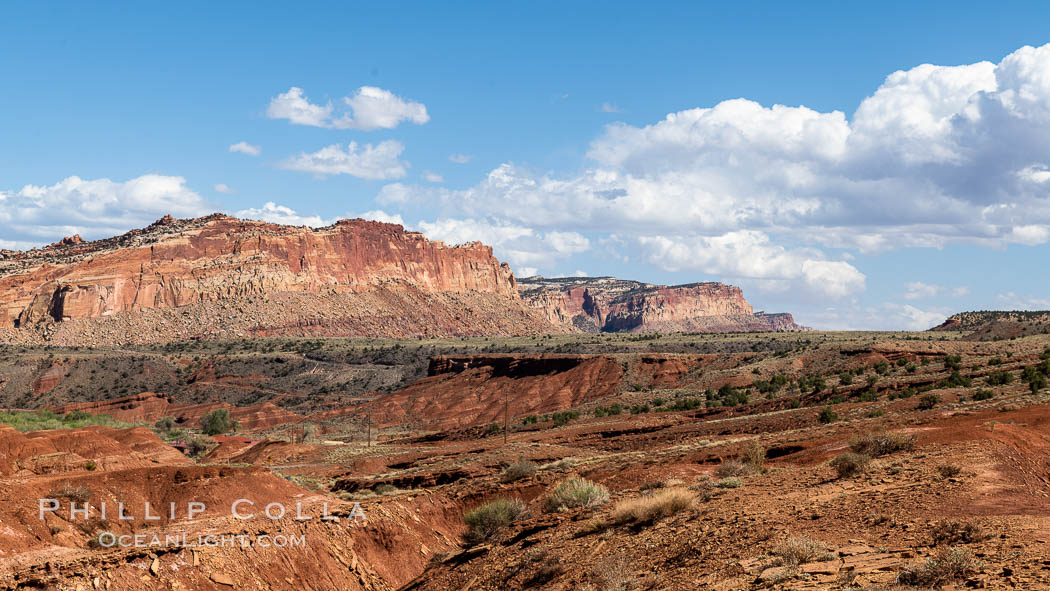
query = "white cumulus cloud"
x=380 y=161
x=96 y=208
x=750 y=254
x=524 y=248
x=367 y=109
x=246 y=148
x=223 y=188
x=280 y=214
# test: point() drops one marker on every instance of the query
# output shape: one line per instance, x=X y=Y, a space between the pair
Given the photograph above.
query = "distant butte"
x=607 y=304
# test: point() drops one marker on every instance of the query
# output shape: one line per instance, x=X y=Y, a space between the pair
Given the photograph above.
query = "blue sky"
x=933 y=198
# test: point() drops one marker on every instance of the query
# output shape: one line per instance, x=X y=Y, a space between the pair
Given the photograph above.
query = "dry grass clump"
x=616 y=575
x=519 y=470
x=957 y=532
x=874 y=445
x=730 y=468
x=949 y=470
x=754 y=456
x=487 y=520
x=850 y=464
x=750 y=461
x=575 y=492
x=947 y=566
x=647 y=510
x=800 y=550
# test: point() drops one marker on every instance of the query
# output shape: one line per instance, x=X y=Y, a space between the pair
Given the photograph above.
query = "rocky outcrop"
x=607 y=304
x=219 y=260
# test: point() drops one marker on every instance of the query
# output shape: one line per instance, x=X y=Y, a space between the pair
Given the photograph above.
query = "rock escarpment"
x=607 y=304
x=239 y=277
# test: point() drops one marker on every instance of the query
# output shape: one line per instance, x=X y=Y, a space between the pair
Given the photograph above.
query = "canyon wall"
x=368 y=269
x=607 y=304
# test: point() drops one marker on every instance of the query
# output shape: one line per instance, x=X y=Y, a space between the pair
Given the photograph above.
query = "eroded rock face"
x=179 y=263
x=175 y=263
x=607 y=304
x=478 y=390
x=150 y=406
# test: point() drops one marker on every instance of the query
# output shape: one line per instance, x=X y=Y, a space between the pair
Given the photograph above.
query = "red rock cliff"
x=174 y=264
x=614 y=305
x=177 y=263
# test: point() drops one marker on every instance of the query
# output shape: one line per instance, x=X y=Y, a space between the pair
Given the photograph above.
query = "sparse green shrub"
x=845 y=378
x=486 y=521
x=575 y=492
x=685 y=404
x=611 y=410
x=531 y=420
x=982 y=394
x=850 y=464
x=999 y=378
x=956 y=380
x=1035 y=379
x=217 y=422
x=731 y=482
x=928 y=401
x=953 y=362
x=563 y=417
x=75 y=416
x=827 y=415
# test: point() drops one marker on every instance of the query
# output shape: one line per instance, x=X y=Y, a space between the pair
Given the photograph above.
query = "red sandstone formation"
x=608 y=304
x=471 y=391
x=70 y=450
x=150 y=406
x=365 y=268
